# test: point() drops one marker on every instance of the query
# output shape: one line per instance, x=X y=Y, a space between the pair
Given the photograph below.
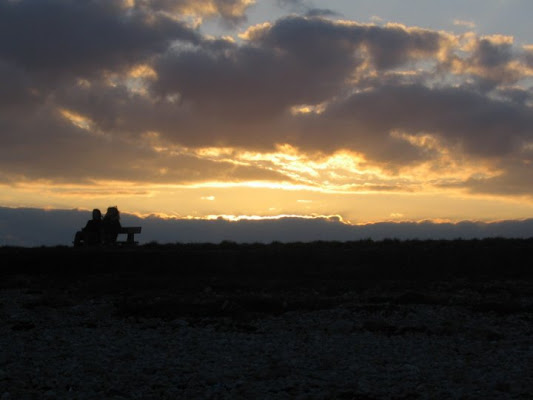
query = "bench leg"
x=131 y=237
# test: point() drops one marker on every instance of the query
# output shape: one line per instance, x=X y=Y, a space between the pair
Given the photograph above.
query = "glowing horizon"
x=256 y=110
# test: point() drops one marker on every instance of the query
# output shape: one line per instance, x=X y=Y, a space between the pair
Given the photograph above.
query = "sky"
x=360 y=112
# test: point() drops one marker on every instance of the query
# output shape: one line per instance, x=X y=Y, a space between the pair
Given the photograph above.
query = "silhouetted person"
x=91 y=234
x=111 y=225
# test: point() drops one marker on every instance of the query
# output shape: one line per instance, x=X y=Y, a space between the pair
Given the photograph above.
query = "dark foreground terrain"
x=325 y=320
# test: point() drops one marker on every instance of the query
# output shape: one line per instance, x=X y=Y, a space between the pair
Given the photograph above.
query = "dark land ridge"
x=198 y=280
x=386 y=259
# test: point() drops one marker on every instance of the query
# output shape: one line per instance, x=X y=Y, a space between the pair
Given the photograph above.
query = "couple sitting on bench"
x=100 y=230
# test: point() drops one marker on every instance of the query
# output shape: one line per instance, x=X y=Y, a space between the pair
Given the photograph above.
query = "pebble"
x=326 y=353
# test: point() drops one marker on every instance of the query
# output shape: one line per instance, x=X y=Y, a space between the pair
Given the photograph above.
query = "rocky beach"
x=324 y=320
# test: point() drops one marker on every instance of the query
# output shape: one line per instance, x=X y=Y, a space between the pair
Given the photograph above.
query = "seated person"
x=91 y=234
x=111 y=225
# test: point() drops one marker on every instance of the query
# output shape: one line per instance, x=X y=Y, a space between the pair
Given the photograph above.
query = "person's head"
x=112 y=213
x=97 y=214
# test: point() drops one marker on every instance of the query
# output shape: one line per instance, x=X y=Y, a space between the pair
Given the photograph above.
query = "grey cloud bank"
x=31 y=227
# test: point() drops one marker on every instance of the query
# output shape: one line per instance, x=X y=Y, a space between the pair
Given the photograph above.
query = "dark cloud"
x=515 y=179
x=395 y=45
x=305 y=8
x=491 y=60
x=295 y=61
x=47 y=146
x=463 y=118
x=480 y=125
x=81 y=38
x=490 y=55
x=16 y=87
x=516 y=95
x=314 y=39
x=527 y=56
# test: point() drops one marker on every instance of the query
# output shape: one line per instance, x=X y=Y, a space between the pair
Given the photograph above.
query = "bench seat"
x=130 y=231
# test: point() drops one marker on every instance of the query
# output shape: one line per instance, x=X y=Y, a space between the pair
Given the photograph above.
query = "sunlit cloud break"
x=336 y=218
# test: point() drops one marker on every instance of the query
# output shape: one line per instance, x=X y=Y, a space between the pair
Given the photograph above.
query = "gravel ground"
x=444 y=340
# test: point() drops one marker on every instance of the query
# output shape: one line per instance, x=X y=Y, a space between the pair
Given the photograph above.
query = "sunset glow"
x=256 y=110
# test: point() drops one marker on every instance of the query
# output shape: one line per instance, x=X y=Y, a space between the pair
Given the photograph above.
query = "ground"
x=325 y=320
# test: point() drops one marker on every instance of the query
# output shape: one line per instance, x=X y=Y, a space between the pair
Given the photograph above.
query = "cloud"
x=294 y=61
x=492 y=58
x=462 y=22
x=459 y=115
x=231 y=11
x=82 y=38
x=16 y=89
x=135 y=84
x=305 y=8
x=96 y=157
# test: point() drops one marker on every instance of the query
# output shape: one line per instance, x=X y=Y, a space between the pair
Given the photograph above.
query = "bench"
x=130 y=231
x=96 y=239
